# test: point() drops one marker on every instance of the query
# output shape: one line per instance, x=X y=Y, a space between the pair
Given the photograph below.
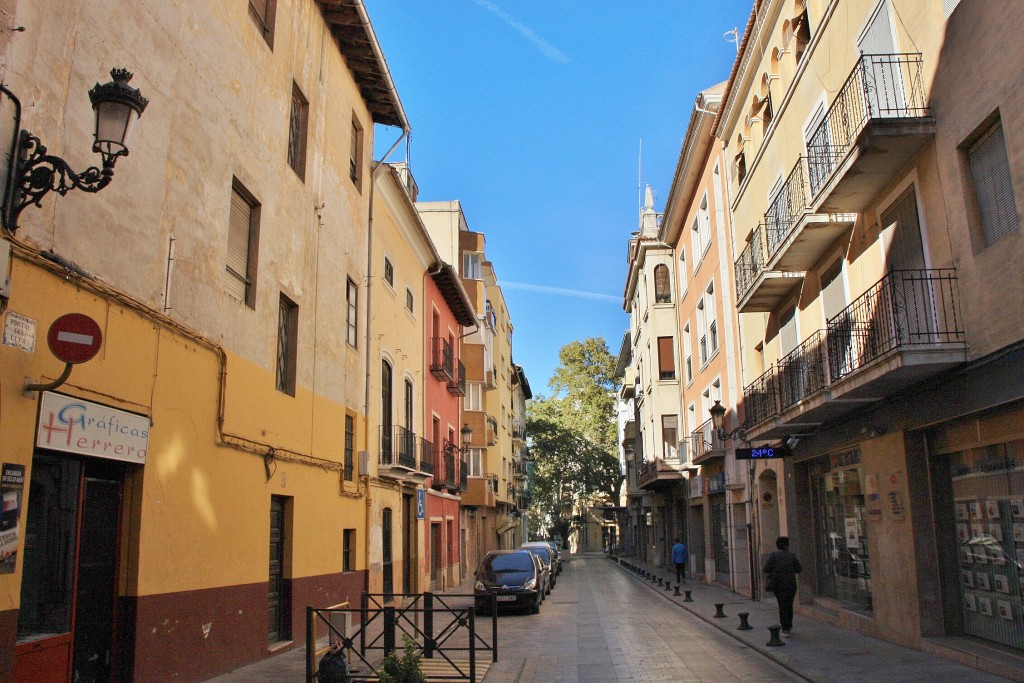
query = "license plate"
x=506 y=598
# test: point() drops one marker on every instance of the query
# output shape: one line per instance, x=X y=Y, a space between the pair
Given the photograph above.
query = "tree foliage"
x=573 y=435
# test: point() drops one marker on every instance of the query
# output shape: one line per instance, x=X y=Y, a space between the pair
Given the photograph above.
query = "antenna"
x=640 y=185
x=733 y=36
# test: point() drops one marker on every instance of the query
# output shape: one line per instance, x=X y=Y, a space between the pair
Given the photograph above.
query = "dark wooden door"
x=387 y=568
x=275 y=591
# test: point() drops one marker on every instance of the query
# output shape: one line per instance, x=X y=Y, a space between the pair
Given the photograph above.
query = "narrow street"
x=602 y=624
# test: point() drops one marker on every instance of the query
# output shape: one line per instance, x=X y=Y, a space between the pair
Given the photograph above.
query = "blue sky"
x=532 y=112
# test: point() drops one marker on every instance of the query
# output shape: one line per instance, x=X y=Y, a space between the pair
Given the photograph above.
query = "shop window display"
x=842 y=561
x=988 y=492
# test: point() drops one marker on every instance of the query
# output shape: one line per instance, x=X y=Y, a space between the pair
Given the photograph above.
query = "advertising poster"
x=12 y=485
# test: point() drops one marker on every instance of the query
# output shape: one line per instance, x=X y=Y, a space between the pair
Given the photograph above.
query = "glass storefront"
x=842 y=563
x=988 y=500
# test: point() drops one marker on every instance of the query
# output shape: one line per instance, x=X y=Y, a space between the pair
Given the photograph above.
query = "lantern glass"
x=115 y=123
x=717 y=415
x=467 y=435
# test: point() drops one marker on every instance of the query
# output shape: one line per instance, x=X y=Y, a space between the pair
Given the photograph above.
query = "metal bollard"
x=719 y=614
x=687 y=598
x=661 y=581
x=775 y=641
x=653 y=577
x=677 y=590
x=744 y=626
x=668 y=586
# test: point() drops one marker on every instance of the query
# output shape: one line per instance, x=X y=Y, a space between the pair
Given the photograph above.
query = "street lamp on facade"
x=34 y=172
x=718 y=422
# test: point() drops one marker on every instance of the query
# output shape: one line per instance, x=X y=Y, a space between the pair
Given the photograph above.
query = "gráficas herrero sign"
x=75 y=426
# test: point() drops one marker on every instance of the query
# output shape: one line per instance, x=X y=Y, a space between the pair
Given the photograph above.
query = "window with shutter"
x=355 y=170
x=351 y=313
x=666 y=359
x=833 y=295
x=287 y=345
x=262 y=13
x=993 y=186
x=670 y=436
x=243 y=231
x=297 y=127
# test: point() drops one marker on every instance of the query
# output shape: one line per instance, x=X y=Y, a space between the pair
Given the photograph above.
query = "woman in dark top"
x=780 y=572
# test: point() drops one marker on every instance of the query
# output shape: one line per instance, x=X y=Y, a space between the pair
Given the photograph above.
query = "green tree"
x=572 y=437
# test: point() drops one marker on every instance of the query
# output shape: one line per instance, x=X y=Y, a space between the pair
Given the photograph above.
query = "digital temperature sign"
x=762 y=453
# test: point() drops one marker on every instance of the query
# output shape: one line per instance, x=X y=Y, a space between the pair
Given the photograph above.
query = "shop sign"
x=421 y=503
x=12 y=488
x=716 y=483
x=75 y=426
x=696 y=487
x=19 y=332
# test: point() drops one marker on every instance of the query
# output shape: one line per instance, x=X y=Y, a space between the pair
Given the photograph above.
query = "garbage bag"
x=333 y=667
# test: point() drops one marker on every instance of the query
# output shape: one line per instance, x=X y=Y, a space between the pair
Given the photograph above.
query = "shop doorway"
x=387 y=559
x=768 y=502
x=67 y=626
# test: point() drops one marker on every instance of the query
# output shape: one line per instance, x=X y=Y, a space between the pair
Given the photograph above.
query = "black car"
x=547 y=557
x=512 y=577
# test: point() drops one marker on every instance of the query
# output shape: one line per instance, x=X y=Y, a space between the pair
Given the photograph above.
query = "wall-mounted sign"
x=421 y=503
x=19 y=332
x=716 y=483
x=763 y=453
x=75 y=426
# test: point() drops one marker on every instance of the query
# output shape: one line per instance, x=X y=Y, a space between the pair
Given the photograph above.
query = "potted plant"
x=404 y=669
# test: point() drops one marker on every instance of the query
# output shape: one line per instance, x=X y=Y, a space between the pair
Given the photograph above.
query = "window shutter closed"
x=993 y=187
x=666 y=363
x=832 y=295
x=237 y=280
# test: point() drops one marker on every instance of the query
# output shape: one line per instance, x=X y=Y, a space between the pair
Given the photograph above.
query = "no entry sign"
x=74 y=338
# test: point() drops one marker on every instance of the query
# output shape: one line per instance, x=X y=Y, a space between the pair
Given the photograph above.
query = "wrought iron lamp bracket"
x=39 y=173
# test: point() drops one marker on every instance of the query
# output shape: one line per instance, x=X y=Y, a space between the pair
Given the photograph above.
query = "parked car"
x=544 y=553
x=556 y=555
x=514 y=577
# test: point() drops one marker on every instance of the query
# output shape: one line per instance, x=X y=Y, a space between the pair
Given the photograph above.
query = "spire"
x=649 y=218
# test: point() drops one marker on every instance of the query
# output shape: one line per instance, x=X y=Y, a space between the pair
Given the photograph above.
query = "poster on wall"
x=12 y=486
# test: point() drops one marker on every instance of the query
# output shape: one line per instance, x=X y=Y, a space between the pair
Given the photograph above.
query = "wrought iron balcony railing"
x=803 y=371
x=442 y=359
x=426 y=456
x=405 y=448
x=449 y=470
x=704 y=440
x=879 y=87
x=906 y=308
x=787 y=206
x=761 y=398
x=457 y=385
x=753 y=259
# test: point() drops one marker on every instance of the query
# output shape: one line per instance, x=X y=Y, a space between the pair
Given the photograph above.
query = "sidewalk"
x=816 y=651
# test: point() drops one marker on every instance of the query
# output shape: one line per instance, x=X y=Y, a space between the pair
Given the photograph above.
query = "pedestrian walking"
x=680 y=556
x=780 y=572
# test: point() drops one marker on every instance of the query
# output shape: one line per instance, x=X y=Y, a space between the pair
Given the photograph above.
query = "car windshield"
x=511 y=562
x=543 y=553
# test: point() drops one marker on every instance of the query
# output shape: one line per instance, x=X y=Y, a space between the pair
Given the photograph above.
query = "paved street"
x=604 y=623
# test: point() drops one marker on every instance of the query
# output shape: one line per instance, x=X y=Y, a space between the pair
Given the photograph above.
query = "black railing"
x=426 y=456
x=761 y=398
x=457 y=385
x=906 y=308
x=387 y=447
x=405 y=445
x=449 y=470
x=879 y=87
x=803 y=371
x=442 y=359
x=786 y=208
x=704 y=440
x=753 y=259
x=442 y=627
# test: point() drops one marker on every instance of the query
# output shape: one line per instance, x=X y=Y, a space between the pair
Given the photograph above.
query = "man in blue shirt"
x=680 y=556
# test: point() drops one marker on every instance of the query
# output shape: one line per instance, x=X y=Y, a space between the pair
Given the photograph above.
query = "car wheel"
x=535 y=608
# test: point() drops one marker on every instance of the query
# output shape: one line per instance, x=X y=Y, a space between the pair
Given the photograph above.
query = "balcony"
x=901 y=331
x=457 y=385
x=907 y=327
x=398 y=459
x=481 y=491
x=877 y=123
x=705 y=444
x=797 y=237
x=759 y=290
x=492 y=431
x=427 y=457
x=660 y=473
x=442 y=359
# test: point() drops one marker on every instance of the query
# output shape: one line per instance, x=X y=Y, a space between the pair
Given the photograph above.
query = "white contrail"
x=544 y=46
x=559 y=291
